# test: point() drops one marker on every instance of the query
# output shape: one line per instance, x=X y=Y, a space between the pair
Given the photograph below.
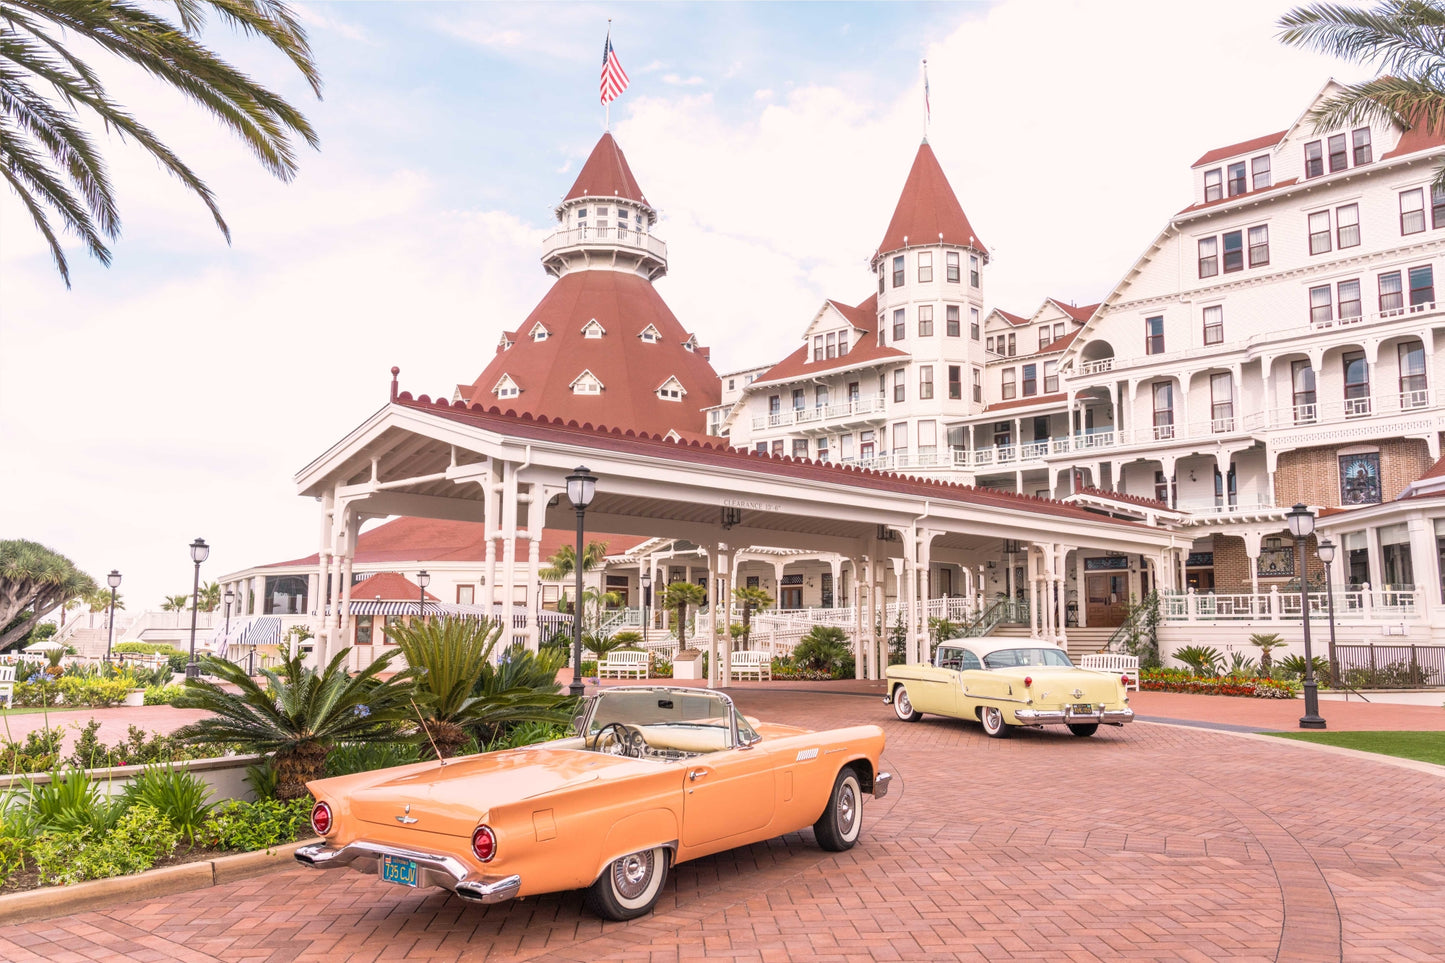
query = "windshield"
x=651 y=707
x=1011 y=658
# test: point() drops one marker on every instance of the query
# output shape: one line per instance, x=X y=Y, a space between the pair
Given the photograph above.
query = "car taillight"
x=484 y=843
x=1028 y=681
x=1125 y=681
x=321 y=819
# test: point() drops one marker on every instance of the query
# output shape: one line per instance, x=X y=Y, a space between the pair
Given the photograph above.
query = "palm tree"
x=210 y=597
x=450 y=656
x=750 y=598
x=1267 y=642
x=1403 y=37
x=32 y=577
x=46 y=155
x=176 y=603
x=300 y=715
x=563 y=562
x=679 y=595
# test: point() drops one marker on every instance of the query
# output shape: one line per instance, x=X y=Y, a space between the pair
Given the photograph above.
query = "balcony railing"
x=621 y=236
x=820 y=415
x=1096 y=367
x=1345 y=410
x=1352 y=604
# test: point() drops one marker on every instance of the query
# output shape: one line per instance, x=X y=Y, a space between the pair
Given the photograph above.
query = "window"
x=899 y=326
x=989 y=346
x=1303 y=379
x=925 y=266
x=1221 y=409
x=1349 y=301
x=951 y=322
x=865 y=445
x=1412 y=211
x=925 y=320
x=1154 y=335
x=973 y=270
x=1013 y=347
x=823 y=448
x=925 y=381
x=820 y=396
x=1339 y=156
x=1422 y=286
x=1357 y=385
x=898 y=271
x=955 y=382
x=800 y=399
x=1219 y=480
x=1046 y=336
x=899 y=389
x=845 y=447
x=817 y=347
x=1006 y=384
x=900 y=437
x=1058 y=330
x=1319 y=232
x=1208 y=257
x=1347 y=225
x=1391 y=296
x=1214 y=324
x=587 y=384
x=1213 y=185
x=1361 y=138
x=800 y=448
x=1314 y=159
x=881 y=275
x=977 y=385
x=1237 y=182
x=830 y=349
x=1161 y=488
x=1003 y=434
x=1233 y=251
x=1259 y=245
x=1163 y=410
x=671 y=390
x=592 y=330
x=1321 y=308
x=1437 y=208
x=778 y=447
x=1412 y=374
x=853 y=391
x=1031 y=380
x=775 y=404
x=1051 y=377
x=1260 y=170
x=927 y=437
x=950 y=266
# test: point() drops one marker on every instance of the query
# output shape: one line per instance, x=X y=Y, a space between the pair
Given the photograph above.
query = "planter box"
x=225 y=776
x=687 y=668
x=135 y=697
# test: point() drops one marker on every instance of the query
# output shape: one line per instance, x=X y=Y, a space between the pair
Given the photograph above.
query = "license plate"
x=394 y=869
x=1082 y=707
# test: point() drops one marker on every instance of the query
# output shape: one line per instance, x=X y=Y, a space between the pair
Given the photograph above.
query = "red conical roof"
x=927 y=209
x=606 y=174
x=629 y=368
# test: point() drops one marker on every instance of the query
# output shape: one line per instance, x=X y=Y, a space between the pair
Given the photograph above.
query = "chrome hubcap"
x=630 y=874
x=847 y=809
x=905 y=708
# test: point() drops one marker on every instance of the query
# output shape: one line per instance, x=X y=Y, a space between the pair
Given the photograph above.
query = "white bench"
x=759 y=664
x=7 y=685
x=624 y=665
x=1113 y=662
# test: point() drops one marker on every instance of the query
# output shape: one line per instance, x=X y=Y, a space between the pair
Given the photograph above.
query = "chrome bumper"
x=880 y=784
x=1044 y=717
x=447 y=872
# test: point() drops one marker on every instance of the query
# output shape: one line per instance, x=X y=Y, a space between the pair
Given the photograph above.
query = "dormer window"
x=690 y=344
x=1259 y=172
x=1213 y=185
x=593 y=330
x=503 y=343
x=671 y=390
x=539 y=333
x=1237 y=183
x=650 y=335
x=506 y=388
x=586 y=384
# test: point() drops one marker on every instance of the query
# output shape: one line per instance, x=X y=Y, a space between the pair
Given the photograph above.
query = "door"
x=1107 y=596
x=726 y=794
x=792 y=598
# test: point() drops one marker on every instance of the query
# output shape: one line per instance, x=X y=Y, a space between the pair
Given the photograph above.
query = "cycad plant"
x=1266 y=642
x=1203 y=660
x=300 y=714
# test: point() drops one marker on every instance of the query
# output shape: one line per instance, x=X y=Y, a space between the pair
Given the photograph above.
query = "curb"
x=98 y=894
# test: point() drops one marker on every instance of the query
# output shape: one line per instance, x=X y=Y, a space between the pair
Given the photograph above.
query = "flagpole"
x=927 y=112
x=607 y=104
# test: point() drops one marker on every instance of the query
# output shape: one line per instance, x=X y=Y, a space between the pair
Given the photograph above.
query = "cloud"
x=677 y=80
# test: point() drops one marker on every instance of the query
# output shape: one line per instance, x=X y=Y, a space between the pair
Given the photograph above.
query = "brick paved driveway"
x=1152 y=842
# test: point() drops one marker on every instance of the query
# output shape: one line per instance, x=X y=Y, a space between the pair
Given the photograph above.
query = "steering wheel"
x=624 y=741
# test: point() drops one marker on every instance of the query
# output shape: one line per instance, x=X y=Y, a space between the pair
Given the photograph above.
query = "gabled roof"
x=864 y=351
x=606 y=174
x=1243 y=147
x=1014 y=319
x=927 y=208
x=389 y=587
x=1083 y=313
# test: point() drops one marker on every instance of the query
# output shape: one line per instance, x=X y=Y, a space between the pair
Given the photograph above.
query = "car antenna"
x=441 y=763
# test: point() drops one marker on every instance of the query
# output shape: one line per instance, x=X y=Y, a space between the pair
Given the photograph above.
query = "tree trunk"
x=296 y=767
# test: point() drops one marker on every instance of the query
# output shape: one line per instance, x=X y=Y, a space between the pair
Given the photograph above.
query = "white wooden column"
x=508 y=588
x=724 y=610
x=350 y=524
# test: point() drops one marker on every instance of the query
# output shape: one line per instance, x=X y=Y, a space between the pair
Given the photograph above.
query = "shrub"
x=259 y=825
x=69 y=802
x=353 y=757
x=823 y=649
x=177 y=794
x=137 y=749
x=140 y=837
x=13 y=851
x=39 y=752
x=1183 y=680
x=1293 y=667
x=1205 y=660
x=164 y=695
x=530 y=733
x=174 y=656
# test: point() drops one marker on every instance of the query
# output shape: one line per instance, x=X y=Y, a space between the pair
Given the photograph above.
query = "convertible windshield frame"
x=1038 y=656
x=660 y=705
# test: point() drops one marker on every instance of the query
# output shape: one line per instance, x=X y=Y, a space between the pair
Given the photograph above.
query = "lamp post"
x=423 y=579
x=1326 y=551
x=646 y=580
x=113 y=580
x=230 y=597
x=581 y=486
x=1302 y=526
x=199 y=551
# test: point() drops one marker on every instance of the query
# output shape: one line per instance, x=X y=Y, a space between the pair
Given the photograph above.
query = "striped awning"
x=265 y=630
x=519 y=614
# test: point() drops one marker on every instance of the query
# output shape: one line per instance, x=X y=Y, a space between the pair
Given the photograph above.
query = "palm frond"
x=1403 y=36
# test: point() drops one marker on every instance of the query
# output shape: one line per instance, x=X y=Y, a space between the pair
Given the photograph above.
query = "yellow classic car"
x=1009 y=682
x=654 y=776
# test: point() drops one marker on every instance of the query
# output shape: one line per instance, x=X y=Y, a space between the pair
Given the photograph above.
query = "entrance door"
x=792 y=598
x=1107 y=596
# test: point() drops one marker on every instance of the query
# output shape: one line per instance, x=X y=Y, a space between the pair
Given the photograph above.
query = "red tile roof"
x=408 y=539
x=865 y=350
x=1077 y=313
x=389 y=587
x=1014 y=319
x=606 y=174
x=1023 y=402
x=928 y=208
x=611 y=438
x=630 y=370
x=1277 y=185
x=1122 y=497
x=1416 y=138
x=1244 y=147
x=1434 y=471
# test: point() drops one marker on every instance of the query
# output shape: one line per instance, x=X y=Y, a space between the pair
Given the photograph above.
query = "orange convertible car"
x=654 y=776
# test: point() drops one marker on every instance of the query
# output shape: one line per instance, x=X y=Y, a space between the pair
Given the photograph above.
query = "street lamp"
x=581 y=486
x=1326 y=551
x=1302 y=526
x=113 y=580
x=423 y=579
x=199 y=551
x=646 y=601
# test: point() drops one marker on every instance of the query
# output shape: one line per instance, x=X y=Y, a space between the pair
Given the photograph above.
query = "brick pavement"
x=1152 y=842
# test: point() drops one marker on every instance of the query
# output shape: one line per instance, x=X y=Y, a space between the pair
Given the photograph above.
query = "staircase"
x=1083 y=641
x=1011 y=630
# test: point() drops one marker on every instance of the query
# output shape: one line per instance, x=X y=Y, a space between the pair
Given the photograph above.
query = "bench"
x=7 y=685
x=624 y=665
x=1113 y=662
x=759 y=664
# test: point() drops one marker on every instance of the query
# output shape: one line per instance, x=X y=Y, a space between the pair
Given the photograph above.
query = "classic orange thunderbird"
x=654 y=776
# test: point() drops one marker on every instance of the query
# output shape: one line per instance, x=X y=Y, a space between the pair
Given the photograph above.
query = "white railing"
x=1342 y=411
x=1240 y=506
x=1096 y=367
x=625 y=237
x=821 y=415
x=1353 y=604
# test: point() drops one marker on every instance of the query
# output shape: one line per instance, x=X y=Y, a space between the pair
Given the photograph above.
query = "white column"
x=724 y=611
x=492 y=516
x=534 y=591
x=713 y=673
x=348 y=542
x=856 y=600
x=508 y=587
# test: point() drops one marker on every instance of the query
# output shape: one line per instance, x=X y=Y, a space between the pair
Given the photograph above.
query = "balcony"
x=1096 y=367
x=585 y=237
x=1383 y=405
x=823 y=418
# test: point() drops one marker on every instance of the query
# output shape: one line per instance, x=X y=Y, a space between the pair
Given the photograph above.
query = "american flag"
x=614 y=78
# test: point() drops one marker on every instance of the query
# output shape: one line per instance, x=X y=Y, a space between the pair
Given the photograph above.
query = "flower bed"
x=1181 y=680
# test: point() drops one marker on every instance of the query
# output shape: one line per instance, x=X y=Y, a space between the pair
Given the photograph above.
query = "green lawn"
x=1420 y=746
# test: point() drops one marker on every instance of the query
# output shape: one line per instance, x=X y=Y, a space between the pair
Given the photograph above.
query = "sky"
x=175 y=394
